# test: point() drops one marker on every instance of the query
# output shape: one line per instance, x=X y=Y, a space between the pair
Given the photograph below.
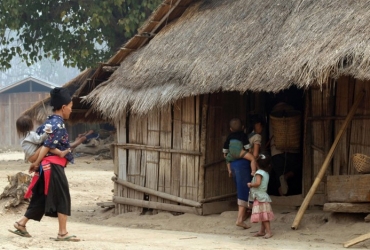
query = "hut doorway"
x=287 y=165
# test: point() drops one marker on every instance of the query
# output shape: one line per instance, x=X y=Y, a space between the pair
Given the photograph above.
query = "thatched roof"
x=240 y=45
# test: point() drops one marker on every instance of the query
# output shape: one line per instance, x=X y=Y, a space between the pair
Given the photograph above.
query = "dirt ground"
x=99 y=228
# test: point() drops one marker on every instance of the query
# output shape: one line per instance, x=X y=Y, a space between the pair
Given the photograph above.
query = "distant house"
x=16 y=98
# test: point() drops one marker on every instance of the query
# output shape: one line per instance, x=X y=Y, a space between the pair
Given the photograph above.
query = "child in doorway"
x=236 y=146
x=261 y=210
x=32 y=140
x=254 y=136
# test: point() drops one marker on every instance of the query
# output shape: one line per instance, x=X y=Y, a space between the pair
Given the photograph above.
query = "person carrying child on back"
x=236 y=146
x=32 y=141
x=261 y=210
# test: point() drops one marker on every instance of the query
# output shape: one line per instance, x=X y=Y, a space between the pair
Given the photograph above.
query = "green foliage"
x=82 y=33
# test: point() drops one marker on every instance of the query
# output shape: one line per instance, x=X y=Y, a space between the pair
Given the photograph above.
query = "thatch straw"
x=240 y=45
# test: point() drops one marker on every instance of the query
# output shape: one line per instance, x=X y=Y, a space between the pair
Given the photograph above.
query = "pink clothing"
x=261 y=211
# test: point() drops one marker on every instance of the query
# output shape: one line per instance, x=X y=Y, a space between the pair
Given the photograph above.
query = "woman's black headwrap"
x=59 y=97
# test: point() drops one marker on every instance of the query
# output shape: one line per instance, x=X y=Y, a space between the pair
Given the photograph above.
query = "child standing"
x=236 y=146
x=32 y=140
x=261 y=210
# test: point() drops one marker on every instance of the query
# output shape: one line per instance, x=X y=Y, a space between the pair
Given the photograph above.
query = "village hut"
x=15 y=98
x=197 y=64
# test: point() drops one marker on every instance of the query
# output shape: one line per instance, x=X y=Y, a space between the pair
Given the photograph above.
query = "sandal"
x=61 y=237
x=19 y=232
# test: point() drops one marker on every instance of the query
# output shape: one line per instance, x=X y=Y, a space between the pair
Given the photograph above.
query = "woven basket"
x=361 y=163
x=286 y=127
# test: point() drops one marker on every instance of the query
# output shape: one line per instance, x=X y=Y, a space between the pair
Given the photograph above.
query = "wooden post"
x=307 y=161
x=203 y=142
x=325 y=165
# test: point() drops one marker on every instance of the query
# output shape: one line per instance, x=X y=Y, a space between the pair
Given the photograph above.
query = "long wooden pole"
x=155 y=205
x=156 y=193
x=357 y=240
x=325 y=165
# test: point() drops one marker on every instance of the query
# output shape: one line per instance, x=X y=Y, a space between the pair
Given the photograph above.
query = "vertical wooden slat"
x=120 y=165
x=187 y=162
x=152 y=157
x=307 y=178
x=203 y=148
x=164 y=178
x=319 y=132
x=210 y=152
x=136 y=159
x=343 y=95
x=176 y=144
x=196 y=147
x=328 y=123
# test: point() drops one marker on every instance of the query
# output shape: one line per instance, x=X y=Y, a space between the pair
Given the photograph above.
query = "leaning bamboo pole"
x=156 y=193
x=155 y=205
x=325 y=165
x=356 y=240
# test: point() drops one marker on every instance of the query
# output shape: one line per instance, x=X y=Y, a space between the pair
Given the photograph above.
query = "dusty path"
x=99 y=228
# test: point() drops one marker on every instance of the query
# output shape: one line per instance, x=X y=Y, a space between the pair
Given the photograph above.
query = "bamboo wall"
x=11 y=106
x=160 y=151
x=326 y=110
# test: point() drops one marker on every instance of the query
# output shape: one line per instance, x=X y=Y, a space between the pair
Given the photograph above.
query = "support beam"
x=156 y=193
x=156 y=205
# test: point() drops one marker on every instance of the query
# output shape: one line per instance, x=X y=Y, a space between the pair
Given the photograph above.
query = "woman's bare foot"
x=243 y=225
x=259 y=234
x=268 y=235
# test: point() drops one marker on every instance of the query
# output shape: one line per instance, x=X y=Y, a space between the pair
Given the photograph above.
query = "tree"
x=81 y=32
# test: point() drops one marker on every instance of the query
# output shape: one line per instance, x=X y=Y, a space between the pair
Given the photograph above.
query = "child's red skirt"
x=261 y=211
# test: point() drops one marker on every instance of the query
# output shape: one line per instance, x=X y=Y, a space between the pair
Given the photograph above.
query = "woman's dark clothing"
x=241 y=170
x=58 y=199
